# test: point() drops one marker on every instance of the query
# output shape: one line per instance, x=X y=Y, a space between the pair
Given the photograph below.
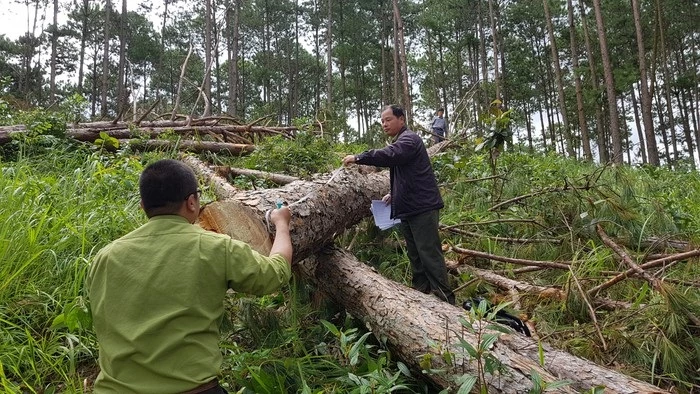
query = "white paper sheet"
x=382 y=215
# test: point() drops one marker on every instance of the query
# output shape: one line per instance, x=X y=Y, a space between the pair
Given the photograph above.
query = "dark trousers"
x=438 y=135
x=211 y=387
x=424 y=251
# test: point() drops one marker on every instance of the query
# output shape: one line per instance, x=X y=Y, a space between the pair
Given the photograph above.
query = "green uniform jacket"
x=156 y=297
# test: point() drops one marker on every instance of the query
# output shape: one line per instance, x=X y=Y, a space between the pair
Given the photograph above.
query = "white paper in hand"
x=382 y=215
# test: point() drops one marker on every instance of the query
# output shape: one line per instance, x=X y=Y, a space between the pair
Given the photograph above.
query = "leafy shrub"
x=302 y=156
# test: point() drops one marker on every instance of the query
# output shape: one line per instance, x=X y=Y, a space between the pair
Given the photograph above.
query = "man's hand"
x=349 y=159
x=281 y=217
x=387 y=199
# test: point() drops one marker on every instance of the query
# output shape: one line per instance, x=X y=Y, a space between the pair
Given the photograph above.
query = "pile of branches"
x=218 y=134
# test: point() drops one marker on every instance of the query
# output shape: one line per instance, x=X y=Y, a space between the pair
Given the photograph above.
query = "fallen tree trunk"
x=321 y=208
x=419 y=327
x=409 y=322
x=122 y=132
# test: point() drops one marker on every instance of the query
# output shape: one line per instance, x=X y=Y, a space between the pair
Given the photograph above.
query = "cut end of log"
x=238 y=221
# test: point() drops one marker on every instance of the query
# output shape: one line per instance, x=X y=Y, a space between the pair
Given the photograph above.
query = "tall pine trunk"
x=609 y=85
x=645 y=93
x=568 y=140
x=122 y=101
x=233 y=29
x=208 y=28
x=54 y=49
x=494 y=41
x=580 y=111
x=105 y=58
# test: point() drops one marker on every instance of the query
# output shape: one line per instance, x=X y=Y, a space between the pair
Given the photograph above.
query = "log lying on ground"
x=414 y=325
x=321 y=207
x=279 y=179
x=410 y=322
x=89 y=132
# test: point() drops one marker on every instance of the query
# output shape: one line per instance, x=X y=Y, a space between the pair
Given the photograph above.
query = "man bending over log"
x=414 y=198
x=156 y=294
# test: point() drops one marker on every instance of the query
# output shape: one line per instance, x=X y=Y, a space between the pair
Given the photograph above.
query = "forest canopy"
x=597 y=80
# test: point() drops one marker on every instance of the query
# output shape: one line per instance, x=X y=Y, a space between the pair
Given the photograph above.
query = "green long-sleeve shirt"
x=156 y=297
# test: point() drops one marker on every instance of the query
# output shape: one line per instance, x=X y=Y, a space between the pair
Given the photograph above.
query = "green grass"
x=63 y=202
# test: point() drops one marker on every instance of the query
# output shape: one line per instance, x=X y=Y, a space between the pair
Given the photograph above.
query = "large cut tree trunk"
x=412 y=324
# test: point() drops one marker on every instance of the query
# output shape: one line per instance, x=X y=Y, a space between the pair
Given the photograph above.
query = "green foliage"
x=5 y=110
x=368 y=374
x=539 y=385
x=42 y=123
x=302 y=156
x=72 y=202
x=497 y=123
x=105 y=141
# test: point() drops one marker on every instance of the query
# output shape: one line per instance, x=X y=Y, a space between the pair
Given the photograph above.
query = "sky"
x=14 y=15
x=13 y=19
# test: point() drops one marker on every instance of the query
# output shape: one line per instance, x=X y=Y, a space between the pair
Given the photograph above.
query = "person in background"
x=438 y=126
x=156 y=294
x=414 y=198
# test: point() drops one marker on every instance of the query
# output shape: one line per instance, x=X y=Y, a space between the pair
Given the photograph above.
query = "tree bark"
x=279 y=179
x=600 y=130
x=54 y=50
x=122 y=100
x=189 y=146
x=105 y=58
x=609 y=85
x=404 y=66
x=233 y=25
x=419 y=327
x=329 y=54
x=85 y=14
x=224 y=133
x=652 y=151
x=496 y=75
x=568 y=140
x=208 y=28
x=580 y=111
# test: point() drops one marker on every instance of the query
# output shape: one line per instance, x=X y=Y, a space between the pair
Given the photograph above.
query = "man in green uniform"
x=156 y=294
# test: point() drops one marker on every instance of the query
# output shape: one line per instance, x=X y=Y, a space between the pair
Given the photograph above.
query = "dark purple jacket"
x=414 y=189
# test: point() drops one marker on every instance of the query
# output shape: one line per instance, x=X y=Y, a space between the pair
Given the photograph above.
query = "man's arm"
x=282 y=243
x=401 y=151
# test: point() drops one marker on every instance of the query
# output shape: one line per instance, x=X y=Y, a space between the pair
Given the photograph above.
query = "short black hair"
x=397 y=110
x=441 y=109
x=164 y=185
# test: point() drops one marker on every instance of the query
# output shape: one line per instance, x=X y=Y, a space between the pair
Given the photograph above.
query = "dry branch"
x=222 y=189
x=619 y=276
x=655 y=284
x=534 y=263
x=189 y=146
x=279 y=179
x=455 y=230
x=509 y=284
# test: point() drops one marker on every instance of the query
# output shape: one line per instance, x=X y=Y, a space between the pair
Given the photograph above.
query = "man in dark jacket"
x=414 y=198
